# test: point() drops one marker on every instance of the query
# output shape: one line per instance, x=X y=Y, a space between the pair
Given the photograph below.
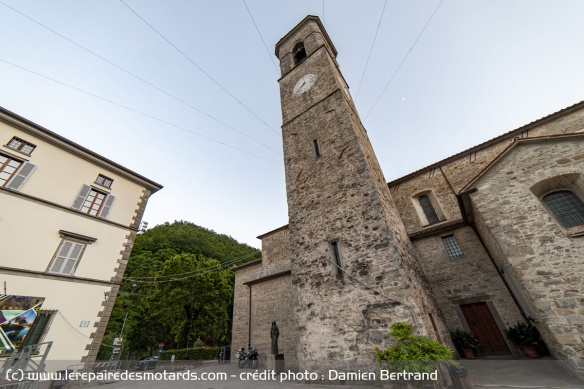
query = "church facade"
x=489 y=237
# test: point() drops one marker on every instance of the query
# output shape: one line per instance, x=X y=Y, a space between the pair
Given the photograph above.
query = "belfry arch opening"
x=299 y=52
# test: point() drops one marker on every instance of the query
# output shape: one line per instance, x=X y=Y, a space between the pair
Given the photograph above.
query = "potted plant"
x=466 y=342
x=526 y=337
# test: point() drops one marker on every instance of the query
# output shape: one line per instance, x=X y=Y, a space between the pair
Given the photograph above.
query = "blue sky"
x=479 y=69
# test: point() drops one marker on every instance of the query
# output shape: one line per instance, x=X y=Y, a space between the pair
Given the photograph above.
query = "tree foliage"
x=412 y=353
x=178 y=287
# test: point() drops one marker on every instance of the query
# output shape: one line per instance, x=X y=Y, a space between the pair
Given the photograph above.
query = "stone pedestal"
x=275 y=363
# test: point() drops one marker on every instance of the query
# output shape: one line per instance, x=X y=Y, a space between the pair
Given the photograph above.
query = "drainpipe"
x=499 y=272
x=249 y=317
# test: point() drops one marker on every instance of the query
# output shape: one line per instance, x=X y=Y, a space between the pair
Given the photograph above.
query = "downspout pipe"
x=480 y=238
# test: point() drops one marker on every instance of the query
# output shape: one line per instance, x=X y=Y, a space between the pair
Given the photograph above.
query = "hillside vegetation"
x=177 y=289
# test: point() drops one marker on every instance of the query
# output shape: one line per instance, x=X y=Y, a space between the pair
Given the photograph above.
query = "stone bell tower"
x=354 y=269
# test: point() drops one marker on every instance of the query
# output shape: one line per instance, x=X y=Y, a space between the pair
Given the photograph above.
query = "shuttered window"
x=93 y=202
x=428 y=209
x=67 y=257
x=8 y=167
x=566 y=207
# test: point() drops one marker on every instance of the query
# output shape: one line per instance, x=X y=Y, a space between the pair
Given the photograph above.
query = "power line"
x=192 y=274
x=230 y=262
x=198 y=67
x=140 y=78
x=136 y=111
x=261 y=37
x=403 y=60
x=371 y=50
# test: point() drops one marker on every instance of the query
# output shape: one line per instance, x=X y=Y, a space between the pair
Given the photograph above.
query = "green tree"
x=178 y=286
x=199 y=299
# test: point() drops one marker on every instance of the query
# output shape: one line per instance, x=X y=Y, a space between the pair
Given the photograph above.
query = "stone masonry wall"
x=270 y=283
x=462 y=169
x=544 y=258
x=470 y=279
x=241 y=301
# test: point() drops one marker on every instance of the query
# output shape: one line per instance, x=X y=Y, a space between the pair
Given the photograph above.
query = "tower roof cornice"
x=307 y=19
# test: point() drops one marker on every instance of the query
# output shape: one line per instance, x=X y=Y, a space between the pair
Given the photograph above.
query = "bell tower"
x=354 y=269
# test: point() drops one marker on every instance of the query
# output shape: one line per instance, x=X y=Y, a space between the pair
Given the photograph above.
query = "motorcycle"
x=249 y=358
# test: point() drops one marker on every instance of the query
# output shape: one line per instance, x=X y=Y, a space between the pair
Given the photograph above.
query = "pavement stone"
x=523 y=374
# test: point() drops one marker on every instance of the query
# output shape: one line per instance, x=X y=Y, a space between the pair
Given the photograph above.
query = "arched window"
x=566 y=207
x=428 y=209
x=299 y=52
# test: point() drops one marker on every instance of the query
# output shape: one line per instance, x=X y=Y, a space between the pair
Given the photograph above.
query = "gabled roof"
x=509 y=149
x=507 y=135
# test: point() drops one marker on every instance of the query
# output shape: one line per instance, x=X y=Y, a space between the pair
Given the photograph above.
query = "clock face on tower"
x=304 y=84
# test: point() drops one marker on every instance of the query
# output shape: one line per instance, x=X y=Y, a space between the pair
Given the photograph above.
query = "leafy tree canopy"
x=178 y=287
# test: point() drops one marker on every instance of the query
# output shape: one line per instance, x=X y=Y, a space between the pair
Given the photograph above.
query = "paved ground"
x=525 y=374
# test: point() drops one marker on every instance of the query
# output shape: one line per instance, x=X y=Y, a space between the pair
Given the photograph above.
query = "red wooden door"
x=481 y=323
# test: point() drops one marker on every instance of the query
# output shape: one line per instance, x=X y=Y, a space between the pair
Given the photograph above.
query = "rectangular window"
x=8 y=166
x=14 y=172
x=452 y=247
x=337 y=258
x=67 y=257
x=104 y=181
x=21 y=146
x=93 y=202
x=316 y=147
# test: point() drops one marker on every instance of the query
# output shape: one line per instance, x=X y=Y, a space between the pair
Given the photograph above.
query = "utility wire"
x=198 y=67
x=71 y=325
x=371 y=50
x=230 y=262
x=194 y=274
x=261 y=37
x=358 y=281
x=139 y=112
x=403 y=60
x=139 y=78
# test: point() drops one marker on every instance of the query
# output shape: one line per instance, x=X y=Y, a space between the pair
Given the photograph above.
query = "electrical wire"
x=141 y=79
x=198 y=67
x=364 y=285
x=195 y=274
x=403 y=60
x=261 y=37
x=230 y=262
x=71 y=325
x=139 y=112
x=371 y=50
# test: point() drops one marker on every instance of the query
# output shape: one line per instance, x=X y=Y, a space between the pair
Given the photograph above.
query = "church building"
x=479 y=241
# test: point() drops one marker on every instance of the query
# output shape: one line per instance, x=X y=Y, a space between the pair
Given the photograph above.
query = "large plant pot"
x=531 y=351
x=469 y=353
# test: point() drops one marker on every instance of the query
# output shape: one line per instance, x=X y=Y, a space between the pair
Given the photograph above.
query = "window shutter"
x=81 y=197
x=21 y=176
x=107 y=205
x=61 y=256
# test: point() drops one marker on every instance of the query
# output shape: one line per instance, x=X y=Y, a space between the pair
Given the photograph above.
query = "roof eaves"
x=490 y=142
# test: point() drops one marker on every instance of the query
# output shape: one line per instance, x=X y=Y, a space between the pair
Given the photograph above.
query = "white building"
x=68 y=220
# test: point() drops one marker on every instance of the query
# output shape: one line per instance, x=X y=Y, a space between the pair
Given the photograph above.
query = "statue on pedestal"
x=274 y=334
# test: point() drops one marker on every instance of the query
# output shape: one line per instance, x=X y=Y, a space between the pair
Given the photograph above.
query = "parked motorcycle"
x=249 y=358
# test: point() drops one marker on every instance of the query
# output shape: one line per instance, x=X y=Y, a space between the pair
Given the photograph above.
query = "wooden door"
x=481 y=323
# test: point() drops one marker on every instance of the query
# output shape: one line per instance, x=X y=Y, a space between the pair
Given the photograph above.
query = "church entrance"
x=481 y=322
